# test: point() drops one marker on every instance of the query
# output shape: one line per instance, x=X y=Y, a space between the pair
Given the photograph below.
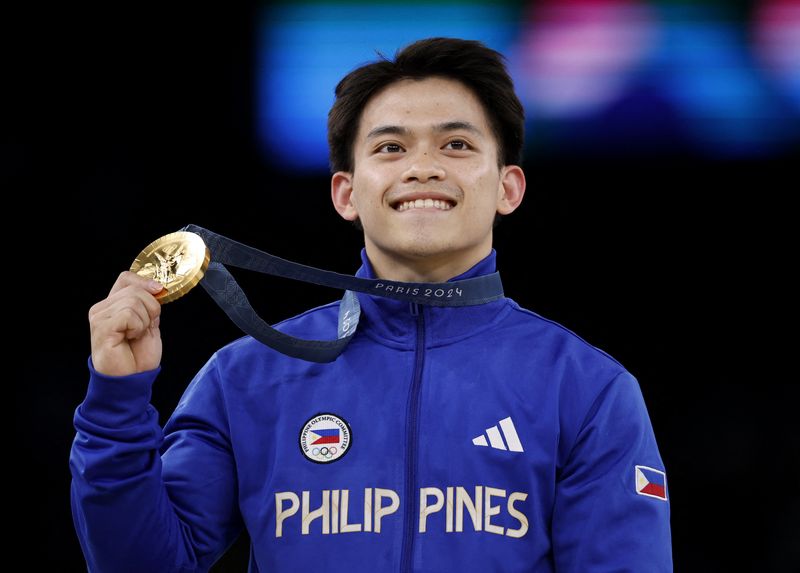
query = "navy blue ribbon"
x=223 y=288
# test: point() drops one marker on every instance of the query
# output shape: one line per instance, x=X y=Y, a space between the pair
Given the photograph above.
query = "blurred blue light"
x=604 y=76
x=709 y=74
x=307 y=49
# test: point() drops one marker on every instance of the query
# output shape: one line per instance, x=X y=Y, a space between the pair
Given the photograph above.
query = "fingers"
x=128 y=316
x=144 y=288
x=129 y=278
x=130 y=321
x=130 y=311
x=124 y=327
x=142 y=303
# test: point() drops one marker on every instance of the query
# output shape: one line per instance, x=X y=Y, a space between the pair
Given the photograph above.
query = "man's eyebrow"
x=388 y=130
x=456 y=126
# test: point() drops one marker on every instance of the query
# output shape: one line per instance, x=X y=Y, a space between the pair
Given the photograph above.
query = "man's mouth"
x=440 y=204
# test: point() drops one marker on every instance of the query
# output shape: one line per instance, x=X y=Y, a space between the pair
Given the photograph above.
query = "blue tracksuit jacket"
x=482 y=438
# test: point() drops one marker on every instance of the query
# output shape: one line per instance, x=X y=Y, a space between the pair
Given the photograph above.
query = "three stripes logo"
x=496 y=436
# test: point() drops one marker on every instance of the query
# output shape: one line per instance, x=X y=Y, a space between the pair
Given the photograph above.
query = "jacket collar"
x=394 y=322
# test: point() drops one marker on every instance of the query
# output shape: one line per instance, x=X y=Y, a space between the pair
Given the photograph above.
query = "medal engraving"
x=178 y=261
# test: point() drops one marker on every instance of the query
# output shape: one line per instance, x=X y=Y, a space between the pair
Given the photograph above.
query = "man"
x=475 y=438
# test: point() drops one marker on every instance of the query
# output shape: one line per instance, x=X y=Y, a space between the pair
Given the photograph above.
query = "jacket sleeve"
x=144 y=499
x=600 y=522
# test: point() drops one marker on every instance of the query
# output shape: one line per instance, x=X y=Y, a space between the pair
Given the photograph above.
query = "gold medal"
x=178 y=261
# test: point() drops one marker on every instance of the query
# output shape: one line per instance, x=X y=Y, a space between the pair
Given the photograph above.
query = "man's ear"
x=511 y=189
x=341 y=195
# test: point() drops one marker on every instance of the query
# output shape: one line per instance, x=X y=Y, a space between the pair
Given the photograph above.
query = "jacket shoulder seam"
x=569 y=332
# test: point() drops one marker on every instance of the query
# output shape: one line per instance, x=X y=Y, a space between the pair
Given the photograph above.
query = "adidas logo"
x=496 y=440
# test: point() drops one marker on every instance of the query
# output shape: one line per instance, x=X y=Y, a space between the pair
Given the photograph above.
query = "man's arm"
x=144 y=499
x=600 y=521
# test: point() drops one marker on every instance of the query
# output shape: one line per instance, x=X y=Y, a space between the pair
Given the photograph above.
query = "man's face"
x=426 y=181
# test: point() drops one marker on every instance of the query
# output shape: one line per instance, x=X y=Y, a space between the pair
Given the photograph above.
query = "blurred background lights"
x=596 y=76
x=709 y=74
x=576 y=56
x=308 y=47
x=777 y=43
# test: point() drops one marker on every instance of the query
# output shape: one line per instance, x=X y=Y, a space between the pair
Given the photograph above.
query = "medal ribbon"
x=226 y=292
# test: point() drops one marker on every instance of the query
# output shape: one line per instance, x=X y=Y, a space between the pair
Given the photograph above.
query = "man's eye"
x=457 y=145
x=390 y=148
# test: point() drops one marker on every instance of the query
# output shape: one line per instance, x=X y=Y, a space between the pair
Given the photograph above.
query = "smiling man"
x=426 y=180
x=459 y=438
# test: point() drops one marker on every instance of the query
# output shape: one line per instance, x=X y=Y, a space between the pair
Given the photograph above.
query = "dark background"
x=673 y=263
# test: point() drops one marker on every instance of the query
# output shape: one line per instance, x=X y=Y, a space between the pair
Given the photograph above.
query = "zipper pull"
x=414 y=307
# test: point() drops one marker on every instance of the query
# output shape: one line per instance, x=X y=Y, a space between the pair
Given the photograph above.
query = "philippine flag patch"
x=651 y=482
x=327 y=436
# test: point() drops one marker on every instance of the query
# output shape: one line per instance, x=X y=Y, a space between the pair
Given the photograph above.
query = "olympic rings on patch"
x=324 y=452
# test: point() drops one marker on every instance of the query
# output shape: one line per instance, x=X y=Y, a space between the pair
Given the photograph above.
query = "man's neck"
x=423 y=269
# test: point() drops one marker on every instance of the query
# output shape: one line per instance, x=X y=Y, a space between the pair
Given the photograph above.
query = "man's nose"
x=423 y=166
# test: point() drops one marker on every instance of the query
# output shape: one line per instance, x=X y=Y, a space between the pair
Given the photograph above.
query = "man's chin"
x=423 y=250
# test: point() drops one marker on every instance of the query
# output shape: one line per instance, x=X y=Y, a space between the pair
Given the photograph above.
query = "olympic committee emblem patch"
x=325 y=438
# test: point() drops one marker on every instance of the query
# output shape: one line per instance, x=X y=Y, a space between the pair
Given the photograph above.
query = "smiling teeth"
x=425 y=204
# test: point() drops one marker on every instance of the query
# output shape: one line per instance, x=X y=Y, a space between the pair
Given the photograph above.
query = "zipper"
x=412 y=439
